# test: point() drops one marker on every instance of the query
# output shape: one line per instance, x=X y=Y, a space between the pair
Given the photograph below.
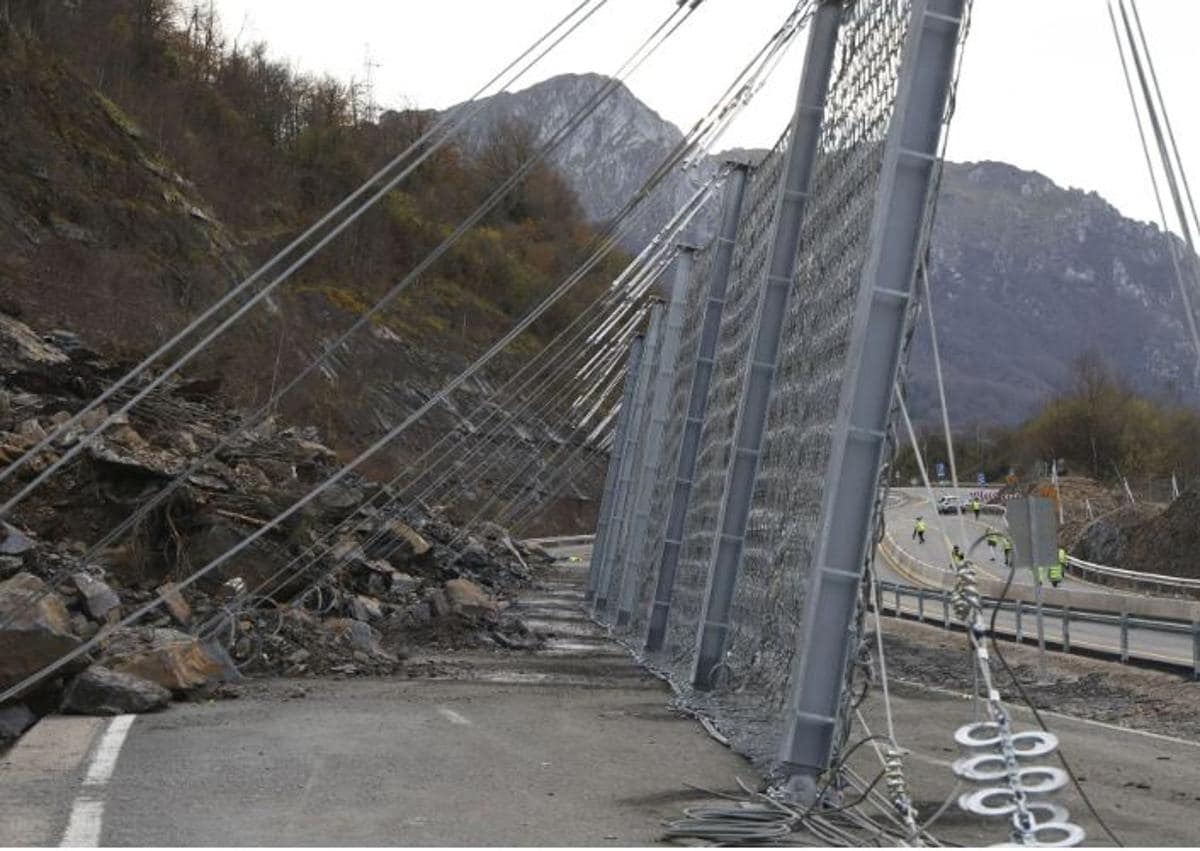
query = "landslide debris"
x=338 y=588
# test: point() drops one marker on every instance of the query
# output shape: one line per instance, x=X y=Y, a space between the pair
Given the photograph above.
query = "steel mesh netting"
x=769 y=601
x=660 y=503
x=737 y=321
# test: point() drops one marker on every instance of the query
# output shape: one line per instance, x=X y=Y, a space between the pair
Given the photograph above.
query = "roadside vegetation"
x=1100 y=427
x=271 y=149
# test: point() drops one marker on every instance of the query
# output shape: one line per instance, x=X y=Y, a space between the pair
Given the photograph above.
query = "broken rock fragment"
x=173 y=659
x=98 y=598
x=40 y=628
x=15 y=720
x=399 y=543
x=102 y=691
x=466 y=598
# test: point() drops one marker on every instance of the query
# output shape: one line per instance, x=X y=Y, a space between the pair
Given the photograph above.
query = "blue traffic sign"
x=941 y=471
x=981 y=479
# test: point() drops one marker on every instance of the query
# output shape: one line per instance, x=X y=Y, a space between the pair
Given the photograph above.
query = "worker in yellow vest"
x=993 y=538
x=976 y=506
x=1059 y=569
x=919 y=530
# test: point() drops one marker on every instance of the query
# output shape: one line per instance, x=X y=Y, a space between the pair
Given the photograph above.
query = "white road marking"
x=104 y=760
x=83 y=830
x=87 y=814
x=454 y=717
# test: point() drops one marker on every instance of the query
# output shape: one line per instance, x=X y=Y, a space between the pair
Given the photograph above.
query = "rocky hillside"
x=607 y=158
x=1027 y=275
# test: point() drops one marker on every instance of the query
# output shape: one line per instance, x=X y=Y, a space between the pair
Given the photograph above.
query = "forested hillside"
x=146 y=166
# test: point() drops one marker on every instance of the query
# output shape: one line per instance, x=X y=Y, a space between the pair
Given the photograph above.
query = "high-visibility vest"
x=920 y=527
x=974 y=505
x=993 y=539
x=1059 y=567
x=957 y=557
x=1007 y=545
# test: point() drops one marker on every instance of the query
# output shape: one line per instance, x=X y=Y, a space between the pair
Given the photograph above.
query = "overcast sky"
x=1041 y=84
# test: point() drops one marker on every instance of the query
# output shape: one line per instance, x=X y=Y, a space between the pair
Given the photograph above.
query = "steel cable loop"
x=446 y=126
x=602 y=244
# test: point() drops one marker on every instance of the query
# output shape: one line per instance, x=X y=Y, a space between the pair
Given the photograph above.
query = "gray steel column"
x=620 y=436
x=852 y=478
x=689 y=447
x=664 y=384
x=753 y=402
x=616 y=532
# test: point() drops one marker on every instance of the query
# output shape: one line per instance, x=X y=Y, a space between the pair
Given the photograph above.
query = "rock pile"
x=343 y=586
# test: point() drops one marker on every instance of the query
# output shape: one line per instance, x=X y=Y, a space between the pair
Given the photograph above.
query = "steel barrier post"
x=1043 y=675
x=945 y=610
x=1018 y=634
x=897 y=589
x=921 y=605
x=1196 y=650
x=625 y=475
x=1066 y=629
x=620 y=437
x=689 y=445
x=894 y=248
x=1124 y=635
x=753 y=402
x=631 y=565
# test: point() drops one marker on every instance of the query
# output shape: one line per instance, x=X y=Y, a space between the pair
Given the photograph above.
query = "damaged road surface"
x=567 y=744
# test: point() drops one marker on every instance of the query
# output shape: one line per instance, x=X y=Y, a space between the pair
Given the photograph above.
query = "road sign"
x=980 y=479
x=1034 y=531
x=941 y=471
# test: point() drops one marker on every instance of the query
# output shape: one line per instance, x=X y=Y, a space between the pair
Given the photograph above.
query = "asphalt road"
x=906 y=504
x=943 y=531
x=574 y=745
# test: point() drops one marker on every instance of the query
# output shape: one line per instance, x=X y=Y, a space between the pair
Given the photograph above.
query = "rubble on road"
x=338 y=588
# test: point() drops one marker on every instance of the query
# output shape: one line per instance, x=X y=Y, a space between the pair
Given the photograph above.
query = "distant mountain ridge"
x=1026 y=275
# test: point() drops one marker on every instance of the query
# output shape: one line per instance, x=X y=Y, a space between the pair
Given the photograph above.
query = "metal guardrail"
x=1134 y=580
x=930 y=605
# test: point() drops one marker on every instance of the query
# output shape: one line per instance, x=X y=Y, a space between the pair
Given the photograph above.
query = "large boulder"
x=173 y=659
x=40 y=628
x=103 y=691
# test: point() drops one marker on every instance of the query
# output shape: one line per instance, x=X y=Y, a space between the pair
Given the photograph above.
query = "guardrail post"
x=1018 y=634
x=921 y=605
x=1066 y=629
x=1124 y=635
x=945 y=610
x=1196 y=650
x=897 y=609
